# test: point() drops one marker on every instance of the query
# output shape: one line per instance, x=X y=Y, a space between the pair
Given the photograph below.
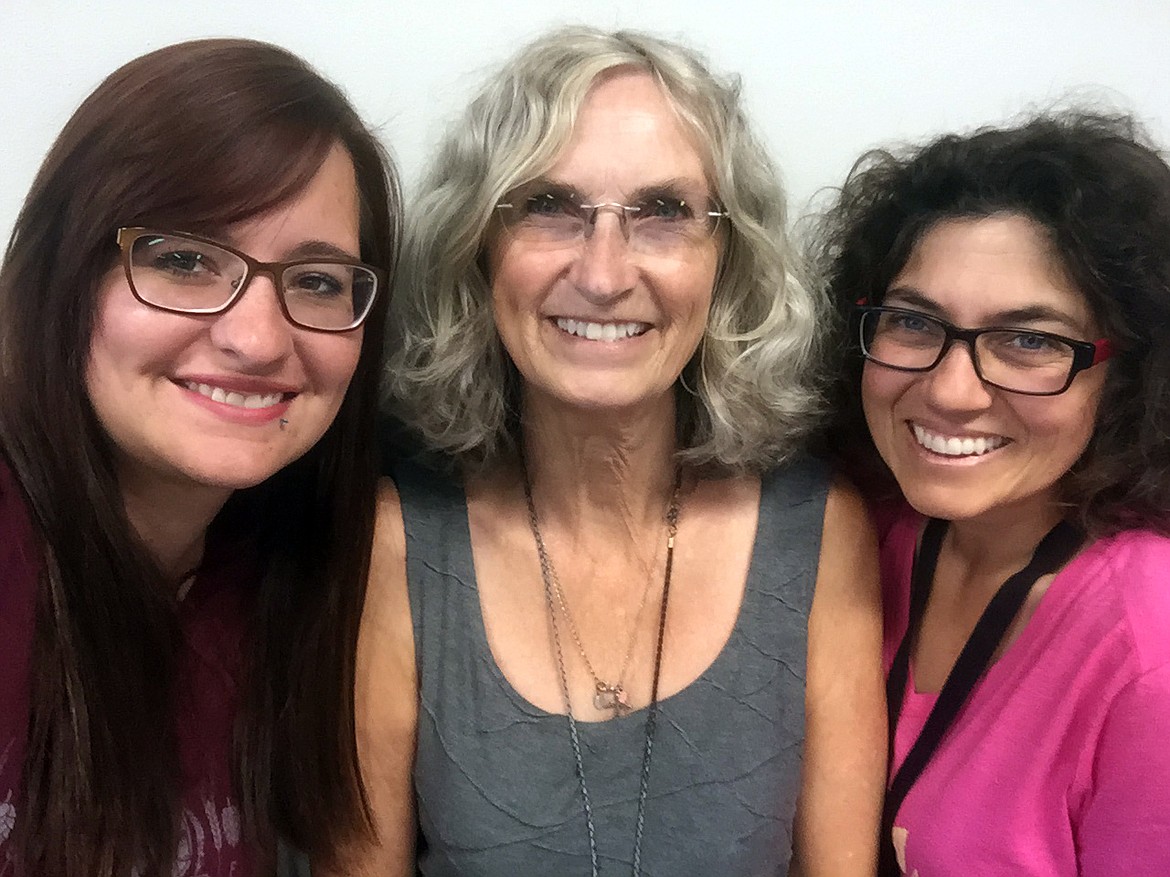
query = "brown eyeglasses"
x=188 y=274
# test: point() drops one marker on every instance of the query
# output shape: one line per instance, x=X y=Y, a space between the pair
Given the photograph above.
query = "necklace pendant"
x=611 y=697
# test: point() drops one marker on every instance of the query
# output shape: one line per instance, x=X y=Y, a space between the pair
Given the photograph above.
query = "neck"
x=1004 y=541
x=599 y=474
x=172 y=519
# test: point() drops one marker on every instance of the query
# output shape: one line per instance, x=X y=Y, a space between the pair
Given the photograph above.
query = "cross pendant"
x=612 y=697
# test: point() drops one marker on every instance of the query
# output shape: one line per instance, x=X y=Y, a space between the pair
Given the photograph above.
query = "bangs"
x=232 y=181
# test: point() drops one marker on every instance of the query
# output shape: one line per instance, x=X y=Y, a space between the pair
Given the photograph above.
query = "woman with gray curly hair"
x=636 y=629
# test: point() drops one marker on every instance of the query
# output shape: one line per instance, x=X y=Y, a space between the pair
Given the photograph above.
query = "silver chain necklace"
x=606 y=695
x=548 y=575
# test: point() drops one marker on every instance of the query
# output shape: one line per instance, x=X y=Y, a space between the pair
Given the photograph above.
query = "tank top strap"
x=440 y=574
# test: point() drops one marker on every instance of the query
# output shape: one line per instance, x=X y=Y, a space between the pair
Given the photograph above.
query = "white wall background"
x=824 y=79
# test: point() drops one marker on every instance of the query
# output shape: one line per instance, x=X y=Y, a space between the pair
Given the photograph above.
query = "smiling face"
x=596 y=324
x=961 y=449
x=200 y=400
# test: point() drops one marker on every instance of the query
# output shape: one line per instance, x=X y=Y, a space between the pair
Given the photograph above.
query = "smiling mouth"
x=956 y=446
x=601 y=331
x=237 y=400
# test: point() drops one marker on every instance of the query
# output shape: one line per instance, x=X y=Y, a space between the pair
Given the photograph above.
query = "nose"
x=254 y=331
x=602 y=268
x=618 y=210
x=954 y=383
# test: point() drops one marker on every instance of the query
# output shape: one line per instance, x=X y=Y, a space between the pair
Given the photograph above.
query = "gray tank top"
x=495 y=776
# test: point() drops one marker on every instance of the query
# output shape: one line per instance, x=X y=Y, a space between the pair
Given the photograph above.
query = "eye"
x=182 y=262
x=318 y=281
x=911 y=323
x=1028 y=342
x=906 y=322
x=1027 y=349
x=664 y=208
x=903 y=328
x=548 y=205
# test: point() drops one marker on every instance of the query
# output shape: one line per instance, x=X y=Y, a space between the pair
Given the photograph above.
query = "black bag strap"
x=921 y=579
x=1054 y=550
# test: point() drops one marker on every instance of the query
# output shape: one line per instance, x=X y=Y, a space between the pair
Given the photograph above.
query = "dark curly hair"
x=1102 y=192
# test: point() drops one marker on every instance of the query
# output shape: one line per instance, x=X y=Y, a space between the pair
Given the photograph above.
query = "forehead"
x=325 y=209
x=628 y=134
x=972 y=269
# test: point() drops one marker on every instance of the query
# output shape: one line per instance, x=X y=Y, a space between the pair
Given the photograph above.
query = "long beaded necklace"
x=548 y=575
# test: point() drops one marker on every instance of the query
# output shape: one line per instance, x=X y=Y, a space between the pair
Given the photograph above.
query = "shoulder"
x=385 y=658
x=7 y=479
x=388 y=558
x=848 y=520
x=849 y=559
x=19 y=543
x=1142 y=554
x=386 y=637
x=802 y=474
x=385 y=700
x=791 y=502
x=388 y=524
x=428 y=496
x=13 y=510
x=1133 y=571
x=844 y=764
x=844 y=506
x=899 y=526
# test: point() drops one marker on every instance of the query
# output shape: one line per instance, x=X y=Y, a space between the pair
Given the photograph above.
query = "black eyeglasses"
x=1017 y=360
x=187 y=274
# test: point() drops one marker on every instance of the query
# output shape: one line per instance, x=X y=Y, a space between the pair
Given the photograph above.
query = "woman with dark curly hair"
x=1009 y=302
x=191 y=313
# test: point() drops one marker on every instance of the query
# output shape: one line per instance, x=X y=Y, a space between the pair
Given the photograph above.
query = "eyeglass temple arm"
x=1102 y=350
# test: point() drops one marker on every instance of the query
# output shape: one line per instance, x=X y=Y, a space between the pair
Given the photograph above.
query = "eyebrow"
x=678 y=187
x=541 y=184
x=911 y=297
x=319 y=250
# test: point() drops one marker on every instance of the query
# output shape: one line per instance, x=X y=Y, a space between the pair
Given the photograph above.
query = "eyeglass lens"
x=658 y=223
x=184 y=274
x=1014 y=359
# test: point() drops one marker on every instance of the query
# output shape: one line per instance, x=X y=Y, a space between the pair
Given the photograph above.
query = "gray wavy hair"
x=752 y=391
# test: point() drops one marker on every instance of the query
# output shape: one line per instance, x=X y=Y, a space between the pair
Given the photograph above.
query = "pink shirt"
x=1059 y=763
x=212 y=618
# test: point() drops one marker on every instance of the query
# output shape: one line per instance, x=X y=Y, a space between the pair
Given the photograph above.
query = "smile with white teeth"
x=229 y=397
x=953 y=446
x=601 y=331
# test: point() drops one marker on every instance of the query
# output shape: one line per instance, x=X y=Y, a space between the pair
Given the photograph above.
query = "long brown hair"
x=195 y=136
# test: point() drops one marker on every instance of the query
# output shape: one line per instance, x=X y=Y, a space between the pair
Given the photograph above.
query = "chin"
x=234 y=473
x=958 y=510
x=231 y=480
x=935 y=504
x=607 y=396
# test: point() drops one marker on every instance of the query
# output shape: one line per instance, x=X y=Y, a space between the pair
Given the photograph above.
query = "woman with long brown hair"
x=191 y=312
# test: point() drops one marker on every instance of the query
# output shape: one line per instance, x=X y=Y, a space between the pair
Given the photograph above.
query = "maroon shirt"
x=213 y=621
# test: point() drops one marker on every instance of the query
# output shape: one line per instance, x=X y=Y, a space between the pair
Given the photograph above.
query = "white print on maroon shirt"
x=209 y=842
